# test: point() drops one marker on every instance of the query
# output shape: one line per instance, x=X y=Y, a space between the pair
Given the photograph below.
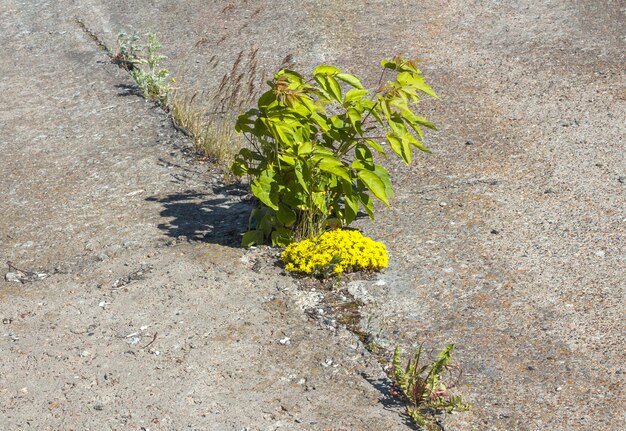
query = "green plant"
x=128 y=49
x=143 y=63
x=423 y=388
x=334 y=252
x=310 y=158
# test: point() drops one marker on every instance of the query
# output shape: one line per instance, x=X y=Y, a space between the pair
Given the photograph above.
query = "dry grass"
x=209 y=118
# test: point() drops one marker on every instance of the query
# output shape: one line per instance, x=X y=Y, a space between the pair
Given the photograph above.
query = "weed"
x=128 y=51
x=208 y=117
x=150 y=78
x=423 y=388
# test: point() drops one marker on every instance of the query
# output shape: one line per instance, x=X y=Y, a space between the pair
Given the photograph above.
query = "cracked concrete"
x=508 y=241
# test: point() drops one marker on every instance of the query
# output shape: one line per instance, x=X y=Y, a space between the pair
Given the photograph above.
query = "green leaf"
x=407 y=152
x=283 y=132
x=401 y=103
x=376 y=146
x=397 y=125
x=245 y=122
x=299 y=107
x=384 y=107
x=395 y=143
x=310 y=104
x=319 y=200
x=388 y=64
x=332 y=166
x=409 y=66
x=248 y=154
x=239 y=167
x=351 y=208
x=281 y=237
x=408 y=119
x=323 y=151
x=354 y=95
x=417 y=144
x=292 y=75
x=334 y=89
x=413 y=80
x=287 y=159
x=303 y=175
x=424 y=122
x=364 y=155
x=367 y=204
x=304 y=149
x=350 y=79
x=321 y=121
x=384 y=176
x=355 y=120
x=252 y=237
x=267 y=100
x=295 y=196
x=327 y=70
x=266 y=225
x=263 y=188
x=322 y=80
x=285 y=215
x=374 y=184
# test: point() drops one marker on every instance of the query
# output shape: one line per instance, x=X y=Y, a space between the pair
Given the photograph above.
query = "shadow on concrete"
x=202 y=217
x=126 y=90
x=388 y=401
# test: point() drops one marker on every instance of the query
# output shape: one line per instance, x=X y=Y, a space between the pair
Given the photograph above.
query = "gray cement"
x=508 y=241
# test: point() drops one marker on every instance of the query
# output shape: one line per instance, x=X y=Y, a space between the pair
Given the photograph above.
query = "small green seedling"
x=128 y=50
x=423 y=388
x=143 y=63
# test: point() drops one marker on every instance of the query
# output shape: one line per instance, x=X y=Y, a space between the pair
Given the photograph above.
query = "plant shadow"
x=388 y=401
x=126 y=90
x=204 y=217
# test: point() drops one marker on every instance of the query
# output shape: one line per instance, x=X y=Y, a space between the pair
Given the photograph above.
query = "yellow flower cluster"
x=335 y=251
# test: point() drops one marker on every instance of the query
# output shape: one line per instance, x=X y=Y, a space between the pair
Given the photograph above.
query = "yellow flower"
x=335 y=251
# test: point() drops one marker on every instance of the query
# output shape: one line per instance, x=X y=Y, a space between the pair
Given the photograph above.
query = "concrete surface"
x=509 y=241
